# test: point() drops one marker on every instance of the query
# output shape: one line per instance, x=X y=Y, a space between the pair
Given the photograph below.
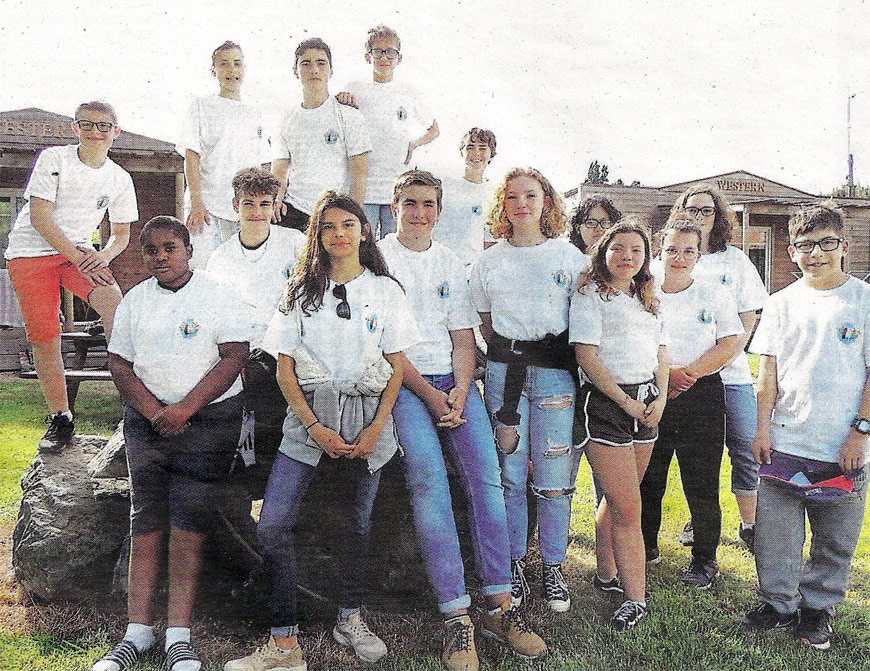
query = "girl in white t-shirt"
x=339 y=336
x=521 y=287
x=702 y=329
x=616 y=336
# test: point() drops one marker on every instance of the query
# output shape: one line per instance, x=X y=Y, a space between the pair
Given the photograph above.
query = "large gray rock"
x=70 y=528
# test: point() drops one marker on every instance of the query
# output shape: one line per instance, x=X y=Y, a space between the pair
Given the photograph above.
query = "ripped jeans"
x=546 y=411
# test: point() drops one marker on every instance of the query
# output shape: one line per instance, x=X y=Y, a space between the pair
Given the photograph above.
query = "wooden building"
x=763 y=209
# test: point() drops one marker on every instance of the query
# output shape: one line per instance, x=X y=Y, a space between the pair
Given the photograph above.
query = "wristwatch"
x=861 y=425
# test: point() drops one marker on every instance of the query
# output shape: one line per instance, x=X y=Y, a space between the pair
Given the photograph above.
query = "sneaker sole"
x=486 y=633
x=698 y=587
x=608 y=590
x=559 y=606
x=742 y=621
x=818 y=646
x=341 y=639
x=516 y=602
x=628 y=626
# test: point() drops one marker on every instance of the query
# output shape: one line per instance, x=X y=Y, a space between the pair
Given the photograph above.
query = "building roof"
x=30 y=129
x=738 y=175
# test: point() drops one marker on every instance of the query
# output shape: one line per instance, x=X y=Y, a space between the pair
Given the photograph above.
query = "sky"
x=661 y=93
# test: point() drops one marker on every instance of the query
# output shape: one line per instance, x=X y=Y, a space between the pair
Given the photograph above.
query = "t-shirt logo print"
x=189 y=328
x=401 y=114
x=372 y=322
x=102 y=201
x=560 y=277
x=847 y=332
x=725 y=279
x=330 y=136
x=288 y=270
x=476 y=210
x=704 y=316
x=444 y=289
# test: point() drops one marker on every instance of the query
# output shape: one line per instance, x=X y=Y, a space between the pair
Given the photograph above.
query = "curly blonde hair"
x=554 y=221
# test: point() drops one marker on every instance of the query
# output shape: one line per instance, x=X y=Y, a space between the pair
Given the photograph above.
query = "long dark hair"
x=581 y=214
x=725 y=219
x=311 y=275
x=599 y=277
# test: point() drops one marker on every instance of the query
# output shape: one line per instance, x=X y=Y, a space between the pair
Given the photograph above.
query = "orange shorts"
x=37 y=282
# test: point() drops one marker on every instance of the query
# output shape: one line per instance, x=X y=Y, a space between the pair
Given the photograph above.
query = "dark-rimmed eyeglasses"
x=343 y=307
x=687 y=254
x=102 y=126
x=603 y=224
x=825 y=244
x=391 y=54
x=706 y=211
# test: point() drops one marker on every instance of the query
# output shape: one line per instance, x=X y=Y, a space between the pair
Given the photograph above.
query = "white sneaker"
x=355 y=633
x=270 y=658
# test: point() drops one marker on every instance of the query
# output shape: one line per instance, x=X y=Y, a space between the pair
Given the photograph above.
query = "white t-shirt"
x=390 y=110
x=80 y=194
x=462 y=223
x=694 y=318
x=526 y=289
x=380 y=323
x=228 y=135
x=258 y=276
x=733 y=269
x=437 y=290
x=318 y=143
x=172 y=337
x=821 y=341
x=627 y=336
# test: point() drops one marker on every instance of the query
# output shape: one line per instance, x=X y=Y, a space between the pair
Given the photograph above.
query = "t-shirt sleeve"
x=727 y=318
x=400 y=330
x=765 y=339
x=751 y=294
x=282 y=335
x=121 y=342
x=280 y=139
x=45 y=176
x=584 y=317
x=462 y=314
x=123 y=208
x=188 y=137
x=479 y=298
x=356 y=138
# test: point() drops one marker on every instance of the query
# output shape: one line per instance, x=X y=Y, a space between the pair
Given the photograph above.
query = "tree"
x=858 y=191
x=597 y=173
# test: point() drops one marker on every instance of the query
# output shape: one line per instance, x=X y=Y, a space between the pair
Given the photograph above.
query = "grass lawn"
x=686 y=630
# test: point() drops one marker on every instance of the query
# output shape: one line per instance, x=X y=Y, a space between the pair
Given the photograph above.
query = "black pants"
x=693 y=428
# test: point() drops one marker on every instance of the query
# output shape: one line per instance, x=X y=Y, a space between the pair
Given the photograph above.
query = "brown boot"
x=459 y=653
x=511 y=628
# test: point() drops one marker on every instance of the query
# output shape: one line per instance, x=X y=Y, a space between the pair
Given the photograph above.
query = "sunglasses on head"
x=343 y=307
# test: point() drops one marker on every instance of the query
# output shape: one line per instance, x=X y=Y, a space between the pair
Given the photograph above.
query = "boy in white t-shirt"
x=388 y=106
x=322 y=144
x=462 y=225
x=813 y=423
x=68 y=194
x=220 y=135
x=176 y=354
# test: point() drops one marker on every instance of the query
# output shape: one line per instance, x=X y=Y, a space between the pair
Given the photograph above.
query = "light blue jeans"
x=546 y=411
x=381 y=219
x=471 y=451
x=741 y=421
x=784 y=581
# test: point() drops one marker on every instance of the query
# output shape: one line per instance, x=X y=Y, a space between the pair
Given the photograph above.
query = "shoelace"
x=518 y=580
x=459 y=637
x=516 y=617
x=359 y=627
x=554 y=580
x=627 y=612
x=124 y=654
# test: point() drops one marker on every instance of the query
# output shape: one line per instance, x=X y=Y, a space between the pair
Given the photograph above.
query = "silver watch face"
x=862 y=425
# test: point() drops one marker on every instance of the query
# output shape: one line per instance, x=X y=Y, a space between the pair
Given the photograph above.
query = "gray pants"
x=820 y=583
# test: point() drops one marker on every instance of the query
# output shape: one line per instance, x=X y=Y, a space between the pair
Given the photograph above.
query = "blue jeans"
x=741 y=421
x=381 y=219
x=546 y=411
x=783 y=581
x=471 y=450
x=288 y=482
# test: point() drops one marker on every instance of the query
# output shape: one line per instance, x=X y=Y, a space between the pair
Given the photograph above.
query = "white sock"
x=345 y=613
x=174 y=635
x=140 y=635
x=68 y=414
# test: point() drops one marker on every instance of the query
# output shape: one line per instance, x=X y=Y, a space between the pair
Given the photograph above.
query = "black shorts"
x=601 y=420
x=177 y=481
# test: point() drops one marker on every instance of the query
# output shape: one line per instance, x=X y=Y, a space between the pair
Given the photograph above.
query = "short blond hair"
x=379 y=32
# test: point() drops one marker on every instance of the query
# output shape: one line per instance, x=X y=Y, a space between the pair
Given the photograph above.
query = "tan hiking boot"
x=511 y=628
x=270 y=656
x=459 y=653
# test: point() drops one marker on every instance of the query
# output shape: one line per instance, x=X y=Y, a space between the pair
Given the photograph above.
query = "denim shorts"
x=601 y=420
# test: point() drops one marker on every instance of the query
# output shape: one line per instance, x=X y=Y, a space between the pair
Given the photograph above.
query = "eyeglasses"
x=687 y=254
x=102 y=126
x=825 y=244
x=391 y=54
x=343 y=307
x=603 y=224
x=706 y=211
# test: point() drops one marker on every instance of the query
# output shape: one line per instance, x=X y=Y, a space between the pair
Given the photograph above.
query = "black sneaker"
x=700 y=573
x=612 y=585
x=747 y=535
x=556 y=588
x=765 y=617
x=815 y=628
x=519 y=584
x=57 y=436
x=687 y=535
x=653 y=556
x=628 y=615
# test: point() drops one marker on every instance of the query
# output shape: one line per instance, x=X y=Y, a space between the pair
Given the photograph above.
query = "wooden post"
x=179 y=195
x=68 y=311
